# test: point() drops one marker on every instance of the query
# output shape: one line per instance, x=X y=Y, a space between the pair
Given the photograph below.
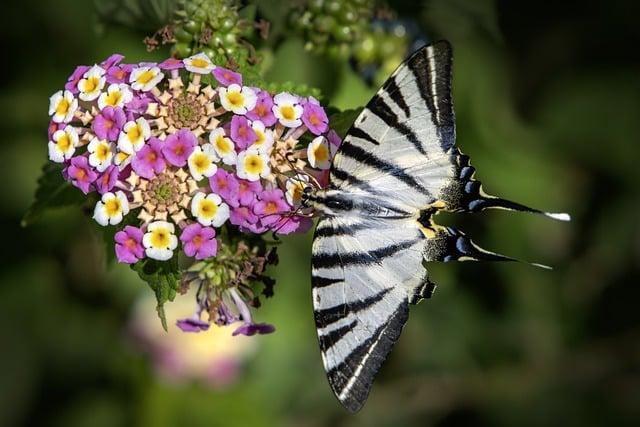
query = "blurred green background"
x=548 y=107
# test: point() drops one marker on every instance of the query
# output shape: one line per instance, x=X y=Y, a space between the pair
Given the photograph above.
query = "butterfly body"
x=397 y=167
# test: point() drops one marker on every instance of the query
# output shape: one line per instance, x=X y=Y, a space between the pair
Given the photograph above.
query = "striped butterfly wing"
x=366 y=270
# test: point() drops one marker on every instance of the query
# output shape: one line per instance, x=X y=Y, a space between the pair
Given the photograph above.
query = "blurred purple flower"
x=149 y=160
x=178 y=147
x=241 y=132
x=80 y=173
x=250 y=329
x=192 y=324
x=262 y=110
x=199 y=241
x=108 y=123
x=227 y=77
x=226 y=186
x=314 y=116
x=129 y=248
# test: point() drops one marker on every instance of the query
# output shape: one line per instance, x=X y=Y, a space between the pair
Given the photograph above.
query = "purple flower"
x=334 y=138
x=227 y=77
x=114 y=59
x=108 y=123
x=119 y=73
x=242 y=133
x=137 y=106
x=171 y=64
x=226 y=186
x=314 y=116
x=107 y=180
x=271 y=206
x=199 y=241
x=149 y=160
x=74 y=78
x=246 y=220
x=178 y=147
x=129 y=245
x=250 y=329
x=247 y=191
x=262 y=110
x=53 y=128
x=80 y=173
x=292 y=224
x=192 y=324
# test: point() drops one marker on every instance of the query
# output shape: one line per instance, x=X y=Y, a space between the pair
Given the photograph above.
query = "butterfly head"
x=327 y=201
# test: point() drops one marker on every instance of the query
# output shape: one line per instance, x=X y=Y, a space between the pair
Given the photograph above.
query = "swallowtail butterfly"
x=397 y=167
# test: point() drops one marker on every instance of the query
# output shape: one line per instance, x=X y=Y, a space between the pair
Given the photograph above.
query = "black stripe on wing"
x=332 y=260
x=366 y=360
x=330 y=338
x=330 y=315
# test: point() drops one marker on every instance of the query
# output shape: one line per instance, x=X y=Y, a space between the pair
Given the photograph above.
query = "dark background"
x=548 y=105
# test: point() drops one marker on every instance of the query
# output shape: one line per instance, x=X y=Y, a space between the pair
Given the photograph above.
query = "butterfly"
x=397 y=167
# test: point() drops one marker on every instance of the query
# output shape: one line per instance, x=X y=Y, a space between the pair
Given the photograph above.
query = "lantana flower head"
x=185 y=157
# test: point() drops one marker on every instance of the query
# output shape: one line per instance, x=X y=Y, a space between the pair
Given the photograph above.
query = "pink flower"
x=262 y=110
x=80 y=173
x=129 y=245
x=149 y=160
x=246 y=220
x=227 y=77
x=247 y=191
x=226 y=186
x=271 y=206
x=171 y=64
x=114 y=59
x=334 y=138
x=241 y=132
x=199 y=241
x=137 y=106
x=292 y=224
x=314 y=116
x=178 y=147
x=108 y=123
x=53 y=128
x=74 y=78
x=119 y=73
x=105 y=182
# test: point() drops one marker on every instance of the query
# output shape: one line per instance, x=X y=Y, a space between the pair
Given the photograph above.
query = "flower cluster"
x=181 y=150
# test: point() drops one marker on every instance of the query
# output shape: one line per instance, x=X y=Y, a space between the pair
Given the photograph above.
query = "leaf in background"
x=163 y=277
x=341 y=121
x=52 y=192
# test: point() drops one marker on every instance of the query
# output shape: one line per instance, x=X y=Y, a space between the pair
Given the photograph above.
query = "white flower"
x=133 y=135
x=252 y=165
x=200 y=64
x=117 y=95
x=320 y=152
x=62 y=106
x=223 y=147
x=101 y=153
x=63 y=145
x=92 y=83
x=209 y=209
x=111 y=208
x=145 y=78
x=265 y=137
x=287 y=109
x=295 y=187
x=160 y=241
x=122 y=159
x=237 y=99
x=202 y=162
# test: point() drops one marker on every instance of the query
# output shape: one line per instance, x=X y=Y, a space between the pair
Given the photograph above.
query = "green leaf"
x=52 y=192
x=163 y=277
x=341 y=121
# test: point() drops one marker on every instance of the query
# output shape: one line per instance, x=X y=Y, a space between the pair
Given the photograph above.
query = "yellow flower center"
x=134 y=133
x=296 y=191
x=199 y=63
x=201 y=162
x=102 y=151
x=315 y=120
x=113 y=98
x=223 y=145
x=261 y=137
x=207 y=209
x=62 y=107
x=121 y=157
x=145 y=77
x=253 y=164
x=321 y=153
x=235 y=98
x=271 y=208
x=64 y=142
x=91 y=84
x=288 y=112
x=160 y=238
x=112 y=207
